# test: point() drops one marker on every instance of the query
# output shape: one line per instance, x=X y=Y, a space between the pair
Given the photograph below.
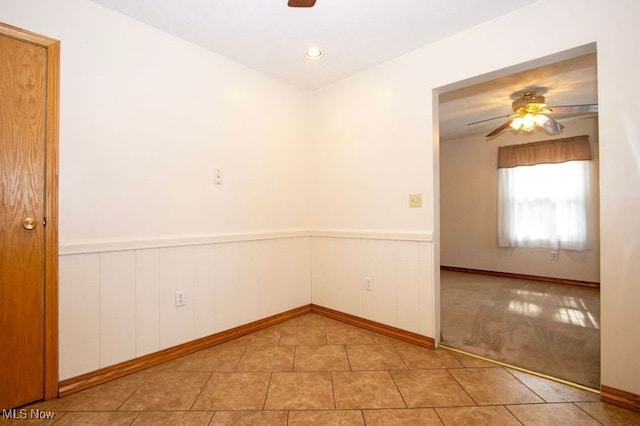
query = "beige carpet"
x=547 y=328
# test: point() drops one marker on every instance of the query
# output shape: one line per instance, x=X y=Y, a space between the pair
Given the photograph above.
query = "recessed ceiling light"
x=313 y=52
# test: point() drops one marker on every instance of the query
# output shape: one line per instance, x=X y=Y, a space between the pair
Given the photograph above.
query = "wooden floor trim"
x=387 y=330
x=522 y=276
x=103 y=375
x=624 y=399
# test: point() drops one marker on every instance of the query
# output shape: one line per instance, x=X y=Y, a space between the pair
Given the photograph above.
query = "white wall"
x=469 y=205
x=378 y=133
x=146 y=118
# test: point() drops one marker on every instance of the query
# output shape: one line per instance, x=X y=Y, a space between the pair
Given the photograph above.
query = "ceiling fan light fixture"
x=528 y=121
x=540 y=119
x=313 y=52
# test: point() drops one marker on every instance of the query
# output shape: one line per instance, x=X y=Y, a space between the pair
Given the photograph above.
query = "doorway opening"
x=532 y=307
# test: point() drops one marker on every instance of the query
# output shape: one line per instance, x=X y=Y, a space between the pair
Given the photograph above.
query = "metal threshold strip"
x=524 y=370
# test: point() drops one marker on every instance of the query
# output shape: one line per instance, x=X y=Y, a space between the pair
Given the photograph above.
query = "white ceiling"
x=270 y=37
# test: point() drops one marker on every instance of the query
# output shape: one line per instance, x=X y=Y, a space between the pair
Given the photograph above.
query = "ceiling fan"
x=531 y=111
x=301 y=3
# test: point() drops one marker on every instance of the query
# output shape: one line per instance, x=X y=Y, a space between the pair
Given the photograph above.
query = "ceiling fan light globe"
x=516 y=123
x=528 y=122
x=540 y=119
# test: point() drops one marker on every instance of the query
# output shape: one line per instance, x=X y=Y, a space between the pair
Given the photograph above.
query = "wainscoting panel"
x=147 y=301
x=79 y=314
x=387 y=280
x=119 y=304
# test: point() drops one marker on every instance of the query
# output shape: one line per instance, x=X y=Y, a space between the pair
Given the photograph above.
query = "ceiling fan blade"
x=301 y=3
x=500 y=129
x=488 y=119
x=574 y=109
x=552 y=126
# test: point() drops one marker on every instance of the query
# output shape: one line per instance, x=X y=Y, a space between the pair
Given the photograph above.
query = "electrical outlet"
x=180 y=298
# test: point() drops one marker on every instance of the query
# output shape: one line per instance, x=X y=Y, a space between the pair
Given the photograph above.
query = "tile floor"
x=312 y=370
x=548 y=328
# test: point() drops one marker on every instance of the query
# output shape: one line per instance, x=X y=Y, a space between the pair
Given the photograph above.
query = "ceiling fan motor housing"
x=529 y=102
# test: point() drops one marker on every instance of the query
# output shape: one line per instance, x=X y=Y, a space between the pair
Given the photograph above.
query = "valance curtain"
x=544 y=194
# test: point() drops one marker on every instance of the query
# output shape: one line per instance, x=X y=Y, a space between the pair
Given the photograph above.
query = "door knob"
x=29 y=223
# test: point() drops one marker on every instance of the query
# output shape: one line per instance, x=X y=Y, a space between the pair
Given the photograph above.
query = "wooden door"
x=24 y=193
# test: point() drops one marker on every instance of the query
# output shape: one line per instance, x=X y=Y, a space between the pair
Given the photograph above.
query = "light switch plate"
x=415 y=200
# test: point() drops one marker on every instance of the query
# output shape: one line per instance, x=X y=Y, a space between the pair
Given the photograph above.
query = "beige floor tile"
x=267 y=358
x=609 y=414
x=343 y=334
x=217 y=358
x=167 y=391
x=249 y=418
x=552 y=391
x=430 y=388
x=347 y=376
x=333 y=417
x=300 y=391
x=381 y=339
x=268 y=336
x=308 y=320
x=97 y=418
x=564 y=414
x=321 y=358
x=172 y=418
x=107 y=397
x=420 y=358
x=374 y=357
x=302 y=336
x=365 y=389
x=408 y=416
x=493 y=386
x=477 y=416
x=234 y=391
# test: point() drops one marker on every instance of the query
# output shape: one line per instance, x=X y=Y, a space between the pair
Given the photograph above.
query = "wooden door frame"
x=52 y=48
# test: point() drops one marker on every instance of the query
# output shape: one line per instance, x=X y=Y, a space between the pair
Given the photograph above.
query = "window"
x=544 y=194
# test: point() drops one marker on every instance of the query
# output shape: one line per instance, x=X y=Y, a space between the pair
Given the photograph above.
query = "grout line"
x=398 y=388
x=235 y=368
x=133 y=393
x=584 y=411
x=514 y=414
x=462 y=387
x=201 y=390
x=347 y=355
x=333 y=390
x=266 y=395
x=524 y=370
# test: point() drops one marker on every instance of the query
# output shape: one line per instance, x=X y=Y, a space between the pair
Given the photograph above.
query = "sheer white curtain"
x=545 y=205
